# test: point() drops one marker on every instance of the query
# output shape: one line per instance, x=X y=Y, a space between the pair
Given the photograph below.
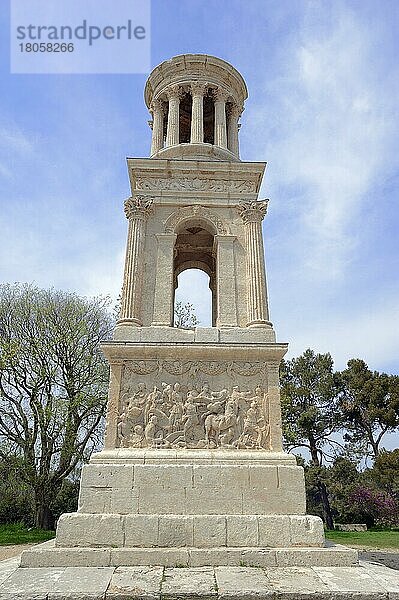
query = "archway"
x=193 y=251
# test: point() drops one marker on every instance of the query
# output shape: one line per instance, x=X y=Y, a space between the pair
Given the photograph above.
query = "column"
x=174 y=96
x=252 y=213
x=197 y=113
x=157 y=127
x=232 y=129
x=220 y=97
x=274 y=408
x=164 y=292
x=137 y=210
x=226 y=303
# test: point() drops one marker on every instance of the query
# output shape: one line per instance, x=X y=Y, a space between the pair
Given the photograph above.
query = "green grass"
x=18 y=533
x=388 y=538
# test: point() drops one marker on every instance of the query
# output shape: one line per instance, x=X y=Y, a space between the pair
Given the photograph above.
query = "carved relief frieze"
x=195 y=184
x=193 y=404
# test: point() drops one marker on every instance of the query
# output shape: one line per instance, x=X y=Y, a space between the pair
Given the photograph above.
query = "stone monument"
x=193 y=471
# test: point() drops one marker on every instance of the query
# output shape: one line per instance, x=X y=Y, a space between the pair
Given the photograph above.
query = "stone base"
x=364 y=582
x=47 y=555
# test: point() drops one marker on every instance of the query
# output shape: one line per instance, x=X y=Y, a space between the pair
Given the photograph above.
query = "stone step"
x=47 y=555
x=199 y=531
x=363 y=582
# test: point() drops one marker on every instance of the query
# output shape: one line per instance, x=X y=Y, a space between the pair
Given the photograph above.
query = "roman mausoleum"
x=193 y=470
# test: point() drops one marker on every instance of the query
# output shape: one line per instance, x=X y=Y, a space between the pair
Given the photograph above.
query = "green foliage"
x=18 y=533
x=16 y=498
x=369 y=403
x=309 y=391
x=53 y=386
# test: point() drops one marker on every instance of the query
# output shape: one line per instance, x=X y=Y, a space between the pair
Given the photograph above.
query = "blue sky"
x=322 y=111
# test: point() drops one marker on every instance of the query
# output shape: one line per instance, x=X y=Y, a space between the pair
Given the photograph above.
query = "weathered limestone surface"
x=365 y=582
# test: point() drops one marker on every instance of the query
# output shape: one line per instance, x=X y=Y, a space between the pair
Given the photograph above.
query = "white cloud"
x=327 y=126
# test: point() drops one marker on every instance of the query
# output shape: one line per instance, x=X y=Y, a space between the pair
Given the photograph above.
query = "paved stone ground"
x=365 y=582
x=389 y=559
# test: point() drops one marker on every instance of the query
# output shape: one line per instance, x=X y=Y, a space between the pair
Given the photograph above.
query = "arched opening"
x=209 y=119
x=185 y=119
x=194 y=250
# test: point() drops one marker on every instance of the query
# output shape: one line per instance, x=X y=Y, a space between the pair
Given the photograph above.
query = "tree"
x=309 y=390
x=369 y=403
x=53 y=386
x=185 y=316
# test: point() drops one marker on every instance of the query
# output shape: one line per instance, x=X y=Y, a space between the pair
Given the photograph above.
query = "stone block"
x=129 y=583
x=352 y=582
x=164 y=476
x=166 y=557
x=111 y=476
x=65 y=557
x=175 y=531
x=386 y=578
x=206 y=334
x=242 y=582
x=291 y=479
x=303 y=582
x=124 y=501
x=217 y=501
x=161 y=501
x=209 y=531
x=214 y=556
x=83 y=530
x=95 y=500
x=30 y=583
x=259 y=557
x=231 y=477
x=7 y=567
x=141 y=530
x=274 y=531
x=263 y=478
x=237 y=335
x=189 y=583
x=242 y=530
x=89 y=583
x=310 y=557
x=306 y=531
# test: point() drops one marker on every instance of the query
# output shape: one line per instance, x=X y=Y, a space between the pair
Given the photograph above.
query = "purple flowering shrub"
x=375 y=505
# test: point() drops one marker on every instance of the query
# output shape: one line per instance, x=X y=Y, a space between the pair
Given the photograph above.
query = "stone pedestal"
x=205 y=482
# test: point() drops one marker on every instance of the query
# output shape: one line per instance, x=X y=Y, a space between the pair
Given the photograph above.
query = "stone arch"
x=188 y=213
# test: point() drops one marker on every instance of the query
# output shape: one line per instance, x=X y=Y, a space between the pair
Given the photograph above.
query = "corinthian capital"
x=197 y=88
x=220 y=95
x=138 y=207
x=157 y=105
x=234 y=110
x=175 y=91
x=252 y=211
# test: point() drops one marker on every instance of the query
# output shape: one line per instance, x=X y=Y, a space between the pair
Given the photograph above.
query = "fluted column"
x=157 y=126
x=232 y=129
x=174 y=95
x=220 y=97
x=197 y=113
x=137 y=210
x=252 y=214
